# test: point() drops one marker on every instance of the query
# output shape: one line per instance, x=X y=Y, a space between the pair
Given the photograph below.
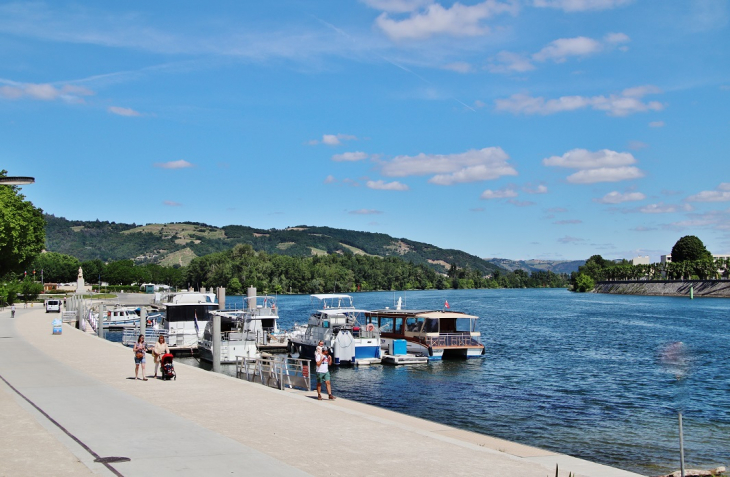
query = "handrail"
x=453 y=340
x=275 y=372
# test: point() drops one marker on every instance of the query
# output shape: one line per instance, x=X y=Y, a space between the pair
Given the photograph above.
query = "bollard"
x=221 y=298
x=143 y=322
x=216 y=347
x=100 y=321
x=251 y=296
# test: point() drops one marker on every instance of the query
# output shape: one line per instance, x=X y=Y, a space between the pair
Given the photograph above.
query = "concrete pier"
x=68 y=401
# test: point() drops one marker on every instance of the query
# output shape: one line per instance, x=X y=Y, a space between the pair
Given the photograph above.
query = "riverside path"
x=69 y=402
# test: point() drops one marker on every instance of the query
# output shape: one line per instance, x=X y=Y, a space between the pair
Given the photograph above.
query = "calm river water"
x=575 y=373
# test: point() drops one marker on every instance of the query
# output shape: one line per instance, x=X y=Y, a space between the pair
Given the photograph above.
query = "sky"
x=525 y=129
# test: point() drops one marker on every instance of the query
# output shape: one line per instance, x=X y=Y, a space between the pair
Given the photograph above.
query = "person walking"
x=140 y=354
x=159 y=349
x=12 y=310
x=323 y=360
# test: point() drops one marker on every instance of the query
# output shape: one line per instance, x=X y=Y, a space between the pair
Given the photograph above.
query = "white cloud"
x=656 y=124
x=637 y=145
x=540 y=189
x=382 y=185
x=350 y=156
x=627 y=102
x=181 y=164
x=459 y=20
x=498 y=194
x=521 y=203
x=43 y=91
x=599 y=166
x=562 y=48
x=332 y=139
x=720 y=194
x=662 y=208
x=584 y=159
x=508 y=62
x=569 y=239
x=330 y=179
x=365 y=212
x=123 y=111
x=580 y=5
x=605 y=174
x=397 y=6
x=470 y=166
x=171 y=203
x=616 y=38
x=616 y=197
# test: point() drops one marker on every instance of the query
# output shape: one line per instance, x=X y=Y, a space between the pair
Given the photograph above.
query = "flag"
x=195 y=316
x=446 y=304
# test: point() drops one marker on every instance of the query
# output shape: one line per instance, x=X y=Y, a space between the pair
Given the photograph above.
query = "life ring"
x=370 y=327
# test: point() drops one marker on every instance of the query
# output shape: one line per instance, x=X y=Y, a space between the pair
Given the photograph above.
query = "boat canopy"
x=324 y=296
x=340 y=311
x=445 y=314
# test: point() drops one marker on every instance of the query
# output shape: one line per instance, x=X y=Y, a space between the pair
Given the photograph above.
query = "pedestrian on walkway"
x=160 y=349
x=12 y=310
x=140 y=354
x=324 y=360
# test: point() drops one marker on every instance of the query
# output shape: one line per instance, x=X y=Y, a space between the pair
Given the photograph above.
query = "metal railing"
x=277 y=373
x=451 y=340
x=151 y=335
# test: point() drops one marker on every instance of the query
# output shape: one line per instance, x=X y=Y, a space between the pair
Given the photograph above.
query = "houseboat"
x=436 y=334
x=186 y=315
x=337 y=323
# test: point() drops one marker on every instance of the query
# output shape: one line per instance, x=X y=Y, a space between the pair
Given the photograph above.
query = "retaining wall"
x=702 y=288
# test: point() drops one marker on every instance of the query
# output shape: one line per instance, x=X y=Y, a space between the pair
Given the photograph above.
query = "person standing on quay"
x=12 y=310
x=140 y=353
x=160 y=349
x=323 y=360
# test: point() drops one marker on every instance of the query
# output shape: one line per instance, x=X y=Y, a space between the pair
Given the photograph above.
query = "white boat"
x=245 y=333
x=337 y=324
x=432 y=333
x=186 y=315
x=119 y=317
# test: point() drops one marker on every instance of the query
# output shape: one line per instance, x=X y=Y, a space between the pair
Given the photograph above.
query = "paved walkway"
x=68 y=400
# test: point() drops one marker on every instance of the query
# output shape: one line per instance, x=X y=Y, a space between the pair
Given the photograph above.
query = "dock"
x=69 y=405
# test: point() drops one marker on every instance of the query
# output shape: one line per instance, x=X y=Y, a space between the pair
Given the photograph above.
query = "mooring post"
x=79 y=317
x=216 y=348
x=681 y=445
x=221 y=298
x=100 y=321
x=692 y=293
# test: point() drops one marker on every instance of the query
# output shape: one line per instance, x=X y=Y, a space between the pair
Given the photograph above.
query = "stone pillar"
x=221 y=298
x=100 y=321
x=216 y=345
x=251 y=293
x=143 y=321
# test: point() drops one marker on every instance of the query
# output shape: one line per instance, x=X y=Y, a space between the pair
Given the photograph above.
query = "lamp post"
x=17 y=180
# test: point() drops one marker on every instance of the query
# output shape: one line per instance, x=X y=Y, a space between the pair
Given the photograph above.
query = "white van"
x=53 y=304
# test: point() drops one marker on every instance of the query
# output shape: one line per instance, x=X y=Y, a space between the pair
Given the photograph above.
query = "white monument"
x=80 y=288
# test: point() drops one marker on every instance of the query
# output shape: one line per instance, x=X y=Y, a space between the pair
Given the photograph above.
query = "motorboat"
x=119 y=317
x=186 y=316
x=337 y=323
x=245 y=333
x=432 y=333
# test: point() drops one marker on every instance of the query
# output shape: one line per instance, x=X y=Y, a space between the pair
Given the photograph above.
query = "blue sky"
x=551 y=129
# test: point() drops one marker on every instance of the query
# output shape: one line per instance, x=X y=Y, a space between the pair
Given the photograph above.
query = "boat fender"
x=369 y=327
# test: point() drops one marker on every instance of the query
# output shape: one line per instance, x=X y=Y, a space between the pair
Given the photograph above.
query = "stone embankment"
x=700 y=288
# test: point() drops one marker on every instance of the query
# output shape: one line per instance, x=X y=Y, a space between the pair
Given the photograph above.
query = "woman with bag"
x=140 y=353
x=159 y=349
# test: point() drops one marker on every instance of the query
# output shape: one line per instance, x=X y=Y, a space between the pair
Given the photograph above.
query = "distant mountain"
x=556 y=266
x=179 y=243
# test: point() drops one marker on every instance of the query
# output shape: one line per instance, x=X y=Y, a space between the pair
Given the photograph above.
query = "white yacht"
x=336 y=324
x=245 y=333
x=186 y=315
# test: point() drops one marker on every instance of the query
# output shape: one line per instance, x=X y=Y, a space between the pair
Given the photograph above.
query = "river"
x=575 y=373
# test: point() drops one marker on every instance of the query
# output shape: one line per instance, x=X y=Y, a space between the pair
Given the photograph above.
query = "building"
x=641 y=260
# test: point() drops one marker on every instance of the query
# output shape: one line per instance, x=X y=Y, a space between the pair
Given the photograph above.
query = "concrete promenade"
x=70 y=399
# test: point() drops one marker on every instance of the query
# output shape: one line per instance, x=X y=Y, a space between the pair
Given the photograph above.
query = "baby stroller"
x=168 y=370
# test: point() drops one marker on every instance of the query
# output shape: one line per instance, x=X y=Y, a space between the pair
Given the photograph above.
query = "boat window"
x=465 y=325
x=268 y=323
x=188 y=312
x=448 y=325
x=414 y=324
x=432 y=326
x=399 y=325
x=386 y=324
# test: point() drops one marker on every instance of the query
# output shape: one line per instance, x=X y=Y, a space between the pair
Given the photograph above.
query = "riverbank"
x=699 y=288
x=213 y=424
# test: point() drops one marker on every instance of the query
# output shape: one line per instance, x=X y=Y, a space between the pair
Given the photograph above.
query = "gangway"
x=275 y=372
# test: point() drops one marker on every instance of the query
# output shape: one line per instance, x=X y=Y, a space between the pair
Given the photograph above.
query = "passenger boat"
x=186 y=315
x=436 y=334
x=245 y=333
x=336 y=323
x=120 y=317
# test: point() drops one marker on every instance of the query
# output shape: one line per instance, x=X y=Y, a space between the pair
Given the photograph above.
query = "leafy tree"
x=584 y=283
x=234 y=287
x=57 y=267
x=22 y=230
x=30 y=289
x=690 y=248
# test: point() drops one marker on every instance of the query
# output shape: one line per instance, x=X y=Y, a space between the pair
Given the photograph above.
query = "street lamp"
x=17 y=180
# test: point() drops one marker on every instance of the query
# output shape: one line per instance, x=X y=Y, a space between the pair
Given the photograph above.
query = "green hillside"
x=179 y=243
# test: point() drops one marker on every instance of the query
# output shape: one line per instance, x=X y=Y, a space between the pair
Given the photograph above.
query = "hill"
x=555 y=266
x=179 y=243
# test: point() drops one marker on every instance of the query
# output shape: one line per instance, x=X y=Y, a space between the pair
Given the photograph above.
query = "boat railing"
x=365 y=333
x=277 y=372
x=151 y=335
x=452 y=340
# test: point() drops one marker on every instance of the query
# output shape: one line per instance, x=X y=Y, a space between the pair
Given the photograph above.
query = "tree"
x=22 y=230
x=690 y=248
x=584 y=283
x=30 y=289
x=57 y=267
